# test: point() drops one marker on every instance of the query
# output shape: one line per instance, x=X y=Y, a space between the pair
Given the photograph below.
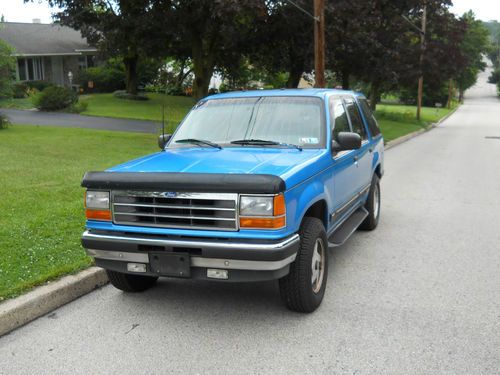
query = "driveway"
x=69 y=120
x=419 y=295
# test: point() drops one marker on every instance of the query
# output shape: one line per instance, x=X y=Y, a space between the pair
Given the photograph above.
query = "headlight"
x=256 y=206
x=97 y=200
x=262 y=212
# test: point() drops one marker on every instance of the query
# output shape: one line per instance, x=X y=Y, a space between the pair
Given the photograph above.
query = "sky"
x=17 y=11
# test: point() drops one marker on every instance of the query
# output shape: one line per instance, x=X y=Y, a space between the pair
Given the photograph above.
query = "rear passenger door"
x=363 y=156
x=344 y=169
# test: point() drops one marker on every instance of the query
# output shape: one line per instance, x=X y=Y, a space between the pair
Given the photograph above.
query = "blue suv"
x=252 y=186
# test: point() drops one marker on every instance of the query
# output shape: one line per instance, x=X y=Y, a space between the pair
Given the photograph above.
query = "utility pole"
x=422 y=52
x=319 y=43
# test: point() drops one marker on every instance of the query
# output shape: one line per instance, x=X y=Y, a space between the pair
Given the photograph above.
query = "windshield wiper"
x=263 y=142
x=199 y=142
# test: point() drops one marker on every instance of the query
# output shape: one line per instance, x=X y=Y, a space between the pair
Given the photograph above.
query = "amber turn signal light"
x=262 y=223
x=98 y=214
x=279 y=205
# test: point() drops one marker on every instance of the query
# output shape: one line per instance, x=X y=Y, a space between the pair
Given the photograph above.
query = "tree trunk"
x=345 y=79
x=131 y=74
x=202 y=75
x=374 y=94
x=203 y=68
x=450 y=93
x=294 y=76
x=182 y=75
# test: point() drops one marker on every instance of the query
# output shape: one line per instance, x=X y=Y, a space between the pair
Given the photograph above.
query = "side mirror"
x=346 y=141
x=163 y=139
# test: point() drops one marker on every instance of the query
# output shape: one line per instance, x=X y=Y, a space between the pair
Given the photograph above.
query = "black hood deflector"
x=185 y=182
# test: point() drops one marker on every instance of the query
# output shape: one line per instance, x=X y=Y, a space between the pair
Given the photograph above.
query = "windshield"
x=282 y=120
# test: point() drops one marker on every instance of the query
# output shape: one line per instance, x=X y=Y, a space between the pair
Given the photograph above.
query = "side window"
x=370 y=118
x=356 y=122
x=340 y=120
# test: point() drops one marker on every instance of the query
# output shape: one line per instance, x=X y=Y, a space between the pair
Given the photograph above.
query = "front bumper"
x=245 y=260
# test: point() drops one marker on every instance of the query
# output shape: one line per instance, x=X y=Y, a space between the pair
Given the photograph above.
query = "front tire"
x=303 y=288
x=372 y=205
x=130 y=283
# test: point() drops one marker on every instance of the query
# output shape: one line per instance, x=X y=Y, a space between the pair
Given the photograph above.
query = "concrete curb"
x=407 y=137
x=23 y=309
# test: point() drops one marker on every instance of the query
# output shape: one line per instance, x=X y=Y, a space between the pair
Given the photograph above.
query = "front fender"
x=303 y=197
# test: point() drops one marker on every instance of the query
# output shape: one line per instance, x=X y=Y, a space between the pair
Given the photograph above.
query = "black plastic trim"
x=200 y=273
x=185 y=182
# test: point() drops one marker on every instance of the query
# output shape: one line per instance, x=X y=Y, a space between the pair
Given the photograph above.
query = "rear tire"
x=130 y=283
x=303 y=288
x=372 y=205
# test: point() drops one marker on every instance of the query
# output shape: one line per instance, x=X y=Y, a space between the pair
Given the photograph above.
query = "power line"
x=303 y=10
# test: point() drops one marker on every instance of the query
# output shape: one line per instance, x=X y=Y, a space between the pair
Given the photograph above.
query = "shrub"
x=4 y=121
x=495 y=76
x=38 y=85
x=104 y=79
x=20 y=90
x=54 y=98
x=7 y=70
x=78 y=107
x=121 y=94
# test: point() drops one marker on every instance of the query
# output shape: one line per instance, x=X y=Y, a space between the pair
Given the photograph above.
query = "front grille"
x=175 y=210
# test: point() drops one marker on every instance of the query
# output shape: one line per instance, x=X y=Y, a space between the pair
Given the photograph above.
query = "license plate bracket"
x=170 y=264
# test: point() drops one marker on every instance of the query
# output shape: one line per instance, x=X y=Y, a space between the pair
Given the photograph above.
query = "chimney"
x=37 y=20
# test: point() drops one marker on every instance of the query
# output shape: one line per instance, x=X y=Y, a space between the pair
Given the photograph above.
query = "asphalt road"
x=69 y=120
x=420 y=295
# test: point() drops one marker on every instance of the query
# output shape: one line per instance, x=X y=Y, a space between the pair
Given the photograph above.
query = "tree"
x=474 y=45
x=7 y=69
x=217 y=33
x=284 y=41
x=131 y=29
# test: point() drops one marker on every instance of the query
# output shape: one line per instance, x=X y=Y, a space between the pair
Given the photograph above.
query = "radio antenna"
x=163 y=120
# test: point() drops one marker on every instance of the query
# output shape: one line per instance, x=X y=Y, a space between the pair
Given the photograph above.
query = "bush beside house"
x=101 y=79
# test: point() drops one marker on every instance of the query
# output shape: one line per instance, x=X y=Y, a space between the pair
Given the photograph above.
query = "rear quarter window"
x=370 y=118
x=355 y=117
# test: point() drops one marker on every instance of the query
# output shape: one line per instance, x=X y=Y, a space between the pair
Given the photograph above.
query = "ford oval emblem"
x=169 y=194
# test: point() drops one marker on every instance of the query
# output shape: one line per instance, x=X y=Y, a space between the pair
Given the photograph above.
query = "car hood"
x=284 y=163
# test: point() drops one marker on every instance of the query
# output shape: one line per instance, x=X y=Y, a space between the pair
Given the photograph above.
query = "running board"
x=347 y=228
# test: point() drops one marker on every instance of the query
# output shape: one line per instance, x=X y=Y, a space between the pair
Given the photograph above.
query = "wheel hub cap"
x=376 y=202
x=318 y=265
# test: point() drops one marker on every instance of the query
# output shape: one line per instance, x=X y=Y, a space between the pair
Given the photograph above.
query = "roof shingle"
x=31 y=39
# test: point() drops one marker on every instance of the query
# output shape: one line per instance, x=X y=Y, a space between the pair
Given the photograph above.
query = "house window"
x=30 y=69
x=90 y=61
x=82 y=62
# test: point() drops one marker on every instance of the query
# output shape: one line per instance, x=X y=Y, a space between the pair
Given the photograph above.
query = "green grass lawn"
x=398 y=120
x=41 y=200
x=107 y=105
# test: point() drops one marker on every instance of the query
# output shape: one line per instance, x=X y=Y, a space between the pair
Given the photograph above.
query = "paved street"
x=420 y=295
x=69 y=120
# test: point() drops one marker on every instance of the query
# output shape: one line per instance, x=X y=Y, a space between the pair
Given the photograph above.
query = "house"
x=47 y=52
